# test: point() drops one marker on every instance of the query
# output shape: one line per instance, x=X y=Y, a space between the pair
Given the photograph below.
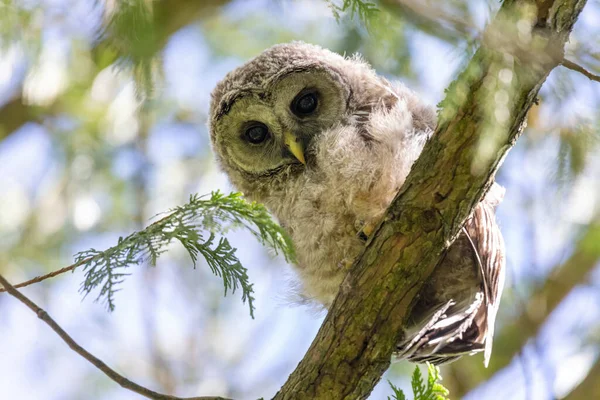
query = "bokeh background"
x=103 y=109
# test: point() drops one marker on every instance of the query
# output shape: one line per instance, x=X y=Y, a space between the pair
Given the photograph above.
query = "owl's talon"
x=366 y=231
x=346 y=263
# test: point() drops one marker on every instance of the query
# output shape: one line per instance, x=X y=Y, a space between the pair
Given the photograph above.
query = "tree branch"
x=112 y=374
x=433 y=19
x=589 y=387
x=354 y=345
x=68 y=268
x=576 y=67
x=48 y=275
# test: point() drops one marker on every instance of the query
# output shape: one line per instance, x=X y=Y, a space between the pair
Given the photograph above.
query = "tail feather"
x=464 y=327
x=446 y=336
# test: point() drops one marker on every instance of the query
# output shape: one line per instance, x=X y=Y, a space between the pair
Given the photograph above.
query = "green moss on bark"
x=354 y=345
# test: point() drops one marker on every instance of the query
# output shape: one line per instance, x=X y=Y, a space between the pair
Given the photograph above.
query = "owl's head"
x=267 y=115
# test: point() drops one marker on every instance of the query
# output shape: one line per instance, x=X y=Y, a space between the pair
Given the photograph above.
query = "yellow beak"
x=294 y=145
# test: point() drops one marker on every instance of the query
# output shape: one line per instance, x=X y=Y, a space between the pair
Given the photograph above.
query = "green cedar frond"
x=130 y=35
x=398 y=394
x=198 y=226
x=430 y=390
x=418 y=386
x=365 y=10
x=435 y=390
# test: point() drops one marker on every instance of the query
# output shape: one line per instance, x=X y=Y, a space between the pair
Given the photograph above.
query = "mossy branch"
x=457 y=166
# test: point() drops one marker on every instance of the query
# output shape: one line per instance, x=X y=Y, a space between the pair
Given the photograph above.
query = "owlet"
x=325 y=143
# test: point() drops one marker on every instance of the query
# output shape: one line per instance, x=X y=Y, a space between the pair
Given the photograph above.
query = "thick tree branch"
x=112 y=374
x=15 y=114
x=354 y=345
x=434 y=18
x=431 y=17
x=589 y=387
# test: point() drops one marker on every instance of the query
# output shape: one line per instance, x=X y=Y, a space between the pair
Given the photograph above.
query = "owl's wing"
x=489 y=248
x=463 y=324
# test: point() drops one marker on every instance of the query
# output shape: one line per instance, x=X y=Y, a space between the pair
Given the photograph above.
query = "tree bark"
x=354 y=345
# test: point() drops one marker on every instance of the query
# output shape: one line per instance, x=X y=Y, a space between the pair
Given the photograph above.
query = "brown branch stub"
x=578 y=68
x=112 y=374
x=354 y=345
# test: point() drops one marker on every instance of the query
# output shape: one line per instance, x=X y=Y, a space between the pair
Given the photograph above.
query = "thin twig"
x=120 y=379
x=49 y=275
x=69 y=268
x=576 y=67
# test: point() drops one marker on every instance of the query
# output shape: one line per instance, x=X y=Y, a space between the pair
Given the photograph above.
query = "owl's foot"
x=366 y=230
x=346 y=263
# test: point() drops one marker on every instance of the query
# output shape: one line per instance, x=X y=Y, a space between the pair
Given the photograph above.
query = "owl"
x=325 y=143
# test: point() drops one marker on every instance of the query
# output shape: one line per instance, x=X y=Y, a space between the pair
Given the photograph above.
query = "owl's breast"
x=325 y=223
x=349 y=182
x=326 y=242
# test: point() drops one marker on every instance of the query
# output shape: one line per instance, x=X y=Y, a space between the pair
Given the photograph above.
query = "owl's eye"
x=256 y=133
x=305 y=103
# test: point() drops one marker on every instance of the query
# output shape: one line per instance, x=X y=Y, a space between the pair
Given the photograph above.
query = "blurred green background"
x=103 y=108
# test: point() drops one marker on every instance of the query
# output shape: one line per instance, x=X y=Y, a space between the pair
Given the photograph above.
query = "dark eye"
x=305 y=103
x=256 y=133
